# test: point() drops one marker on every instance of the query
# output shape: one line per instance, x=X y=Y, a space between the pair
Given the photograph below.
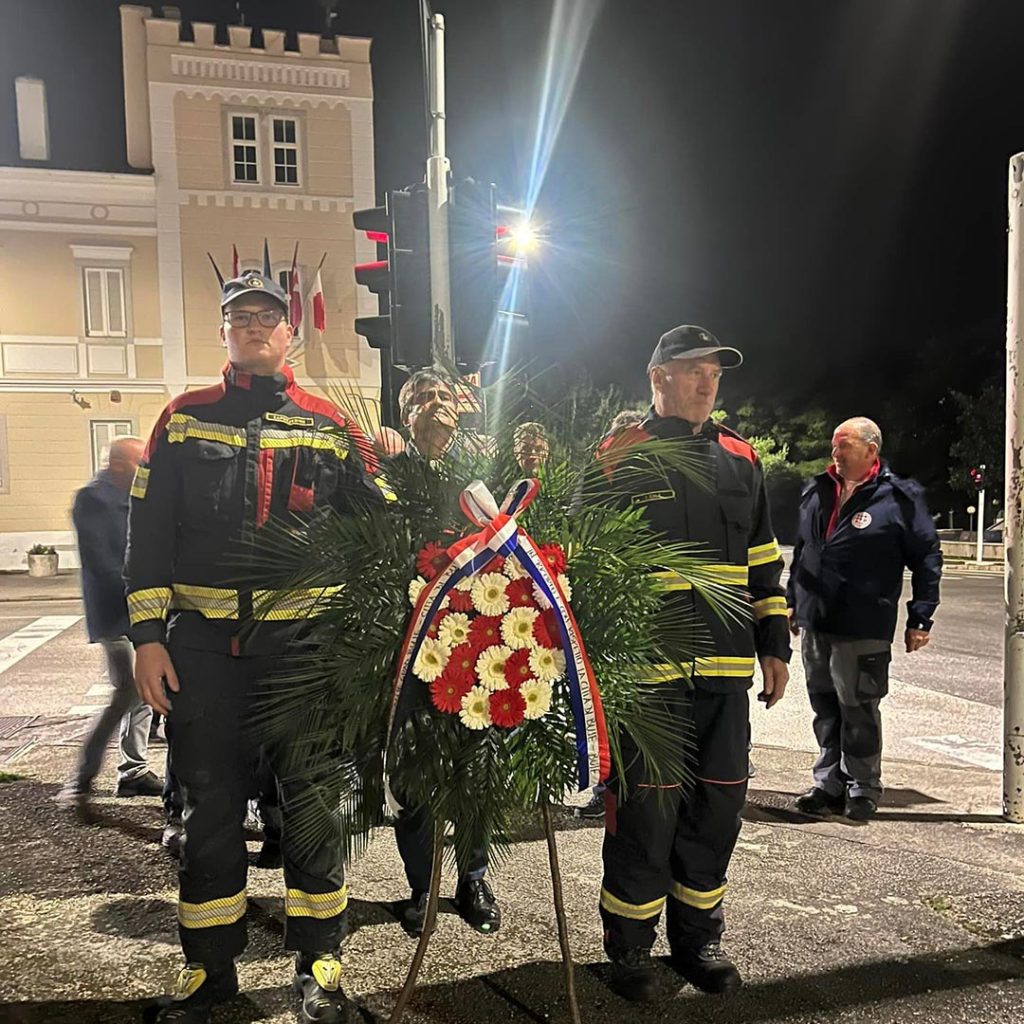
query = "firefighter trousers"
x=672 y=845
x=214 y=761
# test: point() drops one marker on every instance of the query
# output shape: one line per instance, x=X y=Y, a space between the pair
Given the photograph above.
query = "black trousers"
x=214 y=763
x=414 y=834
x=666 y=846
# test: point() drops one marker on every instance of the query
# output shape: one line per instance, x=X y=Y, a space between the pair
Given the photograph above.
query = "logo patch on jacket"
x=646 y=499
x=861 y=520
x=291 y=421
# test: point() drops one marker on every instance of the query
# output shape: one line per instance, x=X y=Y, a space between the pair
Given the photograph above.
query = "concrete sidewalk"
x=918 y=915
x=19 y=586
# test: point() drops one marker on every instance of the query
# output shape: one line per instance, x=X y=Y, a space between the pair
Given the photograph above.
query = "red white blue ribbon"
x=500 y=535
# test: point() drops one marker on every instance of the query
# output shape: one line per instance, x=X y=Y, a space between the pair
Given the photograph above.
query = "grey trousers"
x=846 y=680
x=126 y=708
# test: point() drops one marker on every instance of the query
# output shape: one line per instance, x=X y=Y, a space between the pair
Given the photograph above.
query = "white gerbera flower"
x=547 y=663
x=415 y=589
x=431 y=660
x=466 y=583
x=540 y=599
x=488 y=594
x=537 y=695
x=563 y=582
x=512 y=569
x=454 y=630
x=517 y=628
x=476 y=709
x=490 y=667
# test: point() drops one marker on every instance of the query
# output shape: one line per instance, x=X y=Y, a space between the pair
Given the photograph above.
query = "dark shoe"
x=146 y=784
x=73 y=794
x=707 y=968
x=174 y=830
x=593 y=810
x=269 y=855
x=414 y=914
x=154 y=727
x=318 y=983
x=817 y=801
x=197 y=991
x=477 y=906
x=633 y=975
x=860 y=808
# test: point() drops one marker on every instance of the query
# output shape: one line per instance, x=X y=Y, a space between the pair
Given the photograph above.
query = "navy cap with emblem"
x=690 y=342
x=253 y=283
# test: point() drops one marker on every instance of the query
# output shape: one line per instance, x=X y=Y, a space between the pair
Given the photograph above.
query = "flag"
x=234 y=261
x=319 y=309
x=294 y=296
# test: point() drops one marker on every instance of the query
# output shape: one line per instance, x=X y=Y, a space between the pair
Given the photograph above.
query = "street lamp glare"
x=524 y=238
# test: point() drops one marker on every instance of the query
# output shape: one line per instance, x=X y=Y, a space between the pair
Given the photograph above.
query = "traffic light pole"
x=979 y=550
x=438 y=171
x=1013 y=535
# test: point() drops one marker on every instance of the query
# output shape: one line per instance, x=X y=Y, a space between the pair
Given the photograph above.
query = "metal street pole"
x=979 y=540
x=438 y=171
x=1013 y=535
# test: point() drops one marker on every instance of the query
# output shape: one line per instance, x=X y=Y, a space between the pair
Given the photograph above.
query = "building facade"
x=108 y=301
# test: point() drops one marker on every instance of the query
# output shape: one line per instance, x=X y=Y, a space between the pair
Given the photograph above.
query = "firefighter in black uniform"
x=672 y=849
x=220 y=462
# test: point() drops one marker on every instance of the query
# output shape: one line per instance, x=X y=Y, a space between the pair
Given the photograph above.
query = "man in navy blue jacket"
x=100 y=516
x=860 y=524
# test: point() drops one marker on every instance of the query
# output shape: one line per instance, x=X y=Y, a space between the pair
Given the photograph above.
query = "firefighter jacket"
x=848 y=562
x=730 y=519
x=219 y=464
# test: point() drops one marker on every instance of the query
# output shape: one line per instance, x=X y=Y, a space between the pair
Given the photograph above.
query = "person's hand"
x=776 y=675
x=153 y=666
x=794 y=626
x=915 y=639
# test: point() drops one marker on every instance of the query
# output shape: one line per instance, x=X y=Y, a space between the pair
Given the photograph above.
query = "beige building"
x=108 y=303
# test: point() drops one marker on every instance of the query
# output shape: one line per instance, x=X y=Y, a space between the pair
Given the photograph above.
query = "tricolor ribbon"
x=500 y=535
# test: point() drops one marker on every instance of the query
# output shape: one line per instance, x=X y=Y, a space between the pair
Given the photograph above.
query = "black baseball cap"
x=251 y=283
x=690 y=342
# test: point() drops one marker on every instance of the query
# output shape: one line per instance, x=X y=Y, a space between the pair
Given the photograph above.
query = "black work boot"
x=707 y=968
x=172 y=835
x=318 y=983
x=817 y=801
x=414 y=913
x=477 y=906
x=860 y=808
x=197 y=990
x=633 y=974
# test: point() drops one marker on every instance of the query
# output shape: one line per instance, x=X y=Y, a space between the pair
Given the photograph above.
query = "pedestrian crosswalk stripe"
x=22 y=642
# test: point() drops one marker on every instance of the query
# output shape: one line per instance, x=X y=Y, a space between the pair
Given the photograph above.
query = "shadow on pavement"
x=534 y=992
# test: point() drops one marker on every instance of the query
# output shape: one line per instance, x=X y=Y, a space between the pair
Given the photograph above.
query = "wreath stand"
x=409 y=987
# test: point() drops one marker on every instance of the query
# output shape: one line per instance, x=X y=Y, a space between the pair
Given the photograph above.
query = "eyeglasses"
x=242 y=317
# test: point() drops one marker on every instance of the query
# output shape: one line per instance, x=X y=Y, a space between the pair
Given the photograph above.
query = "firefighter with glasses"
x=220 y=464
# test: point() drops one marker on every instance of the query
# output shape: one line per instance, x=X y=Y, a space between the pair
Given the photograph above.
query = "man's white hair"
x=867 y=430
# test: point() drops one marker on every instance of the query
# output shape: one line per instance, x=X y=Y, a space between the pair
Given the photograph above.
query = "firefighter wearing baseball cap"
x=220 y=464
x=671 y=849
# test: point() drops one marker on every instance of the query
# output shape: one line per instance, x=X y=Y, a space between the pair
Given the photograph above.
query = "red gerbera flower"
x=517 y=668
x=520 y=593
x=541 y=633
x=554 y=557
x=447 y=692
x=550 y=618
x=460 y=601
x=507 y=708
x=434 y=626
x=485 y=631
x=495 y=565
x=431 y=560
x=462 y=664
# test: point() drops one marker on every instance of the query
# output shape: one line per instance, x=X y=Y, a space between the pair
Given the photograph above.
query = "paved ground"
x=918 y=916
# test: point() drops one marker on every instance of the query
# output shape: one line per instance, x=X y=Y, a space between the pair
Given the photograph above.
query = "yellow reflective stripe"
x=769 y=606
x=634 y=911
x=337 y=443
x=298 y=903
x=708 y=668
x=277 y=605
x=213 y=912
x=140 y=483
x=385 y=488
x=181 y=427
x=210 y=602
x=732 y=575
x=764 y=553
x=660 y=674
x=151 y=603
x=701 y=899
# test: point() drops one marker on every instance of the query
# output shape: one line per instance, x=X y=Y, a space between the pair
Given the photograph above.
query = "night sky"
x=821 y=183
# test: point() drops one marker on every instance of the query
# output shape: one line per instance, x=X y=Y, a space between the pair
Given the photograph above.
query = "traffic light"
x=401 y=281
x=977 y=475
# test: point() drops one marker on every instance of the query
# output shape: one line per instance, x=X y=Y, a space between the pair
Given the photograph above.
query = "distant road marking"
x=22 y=642
x=981 y=753
x=98 y=690
x=86 y=709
